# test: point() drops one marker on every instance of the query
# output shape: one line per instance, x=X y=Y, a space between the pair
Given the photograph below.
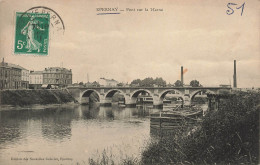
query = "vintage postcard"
x=140 y=82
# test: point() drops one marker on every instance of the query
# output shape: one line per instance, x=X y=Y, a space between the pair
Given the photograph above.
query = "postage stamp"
x=32 y=33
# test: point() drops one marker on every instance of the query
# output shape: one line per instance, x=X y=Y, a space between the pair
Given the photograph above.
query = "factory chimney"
x=235 y=75
x=182 y=75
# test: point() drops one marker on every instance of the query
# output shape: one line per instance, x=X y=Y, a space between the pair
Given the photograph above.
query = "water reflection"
x=11 y=125
x=9 y=131
x=56 y=123
x=76 y=131
x=114 y=113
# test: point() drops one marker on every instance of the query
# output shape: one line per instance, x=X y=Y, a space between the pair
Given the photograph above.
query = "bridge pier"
x=186 y=101
x=130 y=102
x=84 y=100
x=106 y=102
x=157 y=102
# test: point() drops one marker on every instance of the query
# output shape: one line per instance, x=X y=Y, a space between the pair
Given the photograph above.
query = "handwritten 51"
x=231 y=11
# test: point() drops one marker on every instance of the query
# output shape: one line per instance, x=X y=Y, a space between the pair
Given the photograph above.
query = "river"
x=72 y=134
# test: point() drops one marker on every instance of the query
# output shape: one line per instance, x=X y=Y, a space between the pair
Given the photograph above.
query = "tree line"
x=160 y=82
x=151 y=82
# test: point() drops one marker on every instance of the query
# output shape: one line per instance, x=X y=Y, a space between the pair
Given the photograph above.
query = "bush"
x=227 y=136
x=30 y=97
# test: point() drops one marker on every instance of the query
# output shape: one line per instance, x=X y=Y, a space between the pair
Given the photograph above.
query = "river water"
x=72 y=134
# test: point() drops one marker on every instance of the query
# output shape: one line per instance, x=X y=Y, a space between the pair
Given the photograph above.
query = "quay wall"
x=30 y=97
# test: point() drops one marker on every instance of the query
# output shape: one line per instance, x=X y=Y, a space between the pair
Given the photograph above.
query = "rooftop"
x=107 y=79
x=5 y=64
x=36 y=72
x=16 y=66
x=57 y=69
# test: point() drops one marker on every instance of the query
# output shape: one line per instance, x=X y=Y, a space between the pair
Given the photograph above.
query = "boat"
x=144 y=99
x=148 y=99
x=175 y=118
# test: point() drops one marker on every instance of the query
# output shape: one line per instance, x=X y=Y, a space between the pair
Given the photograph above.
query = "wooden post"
x=160 y=119
x=209 y=104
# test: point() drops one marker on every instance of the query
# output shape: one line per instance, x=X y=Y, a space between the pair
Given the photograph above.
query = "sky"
x=198 y=35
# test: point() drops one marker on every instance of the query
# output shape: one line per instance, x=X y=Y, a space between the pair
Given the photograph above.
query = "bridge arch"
x=193 y=94
x=87 y=93
x=111 y=93
x=138 y=91
x=165 y=92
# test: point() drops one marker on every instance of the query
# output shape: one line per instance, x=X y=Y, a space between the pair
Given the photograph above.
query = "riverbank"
x=227 y=136
x=23 y=98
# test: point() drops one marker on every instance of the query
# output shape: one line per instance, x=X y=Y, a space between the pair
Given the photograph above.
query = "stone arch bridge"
x=81 y=94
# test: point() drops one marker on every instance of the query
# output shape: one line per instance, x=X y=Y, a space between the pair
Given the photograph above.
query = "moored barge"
x=176 y=118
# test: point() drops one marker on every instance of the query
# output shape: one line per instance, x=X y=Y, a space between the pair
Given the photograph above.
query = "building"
x=35 y=79
x=24 y=76
x=57 y=76
x=10 y=76
x=107 y=82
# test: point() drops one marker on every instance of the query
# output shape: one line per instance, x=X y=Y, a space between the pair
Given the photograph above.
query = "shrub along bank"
x=227 y=136
x=30 y=97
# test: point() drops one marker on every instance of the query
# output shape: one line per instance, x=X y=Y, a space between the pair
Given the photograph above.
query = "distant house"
x=24 y=76
x=108 y=82
x=57 y=76
x=35 y=79
x=11 y=76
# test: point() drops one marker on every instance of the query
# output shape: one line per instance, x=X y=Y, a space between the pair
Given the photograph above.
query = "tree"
x=195 y=83
x=159 y=82
x=95 y=84
x=136 y=82
x=147 y=82
x=120 y=84
x=178 y=83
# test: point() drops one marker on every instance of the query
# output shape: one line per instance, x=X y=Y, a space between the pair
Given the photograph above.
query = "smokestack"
x=235 y=75
x=182 y=75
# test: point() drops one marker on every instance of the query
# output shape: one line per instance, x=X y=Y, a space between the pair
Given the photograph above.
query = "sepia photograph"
x=140 y=82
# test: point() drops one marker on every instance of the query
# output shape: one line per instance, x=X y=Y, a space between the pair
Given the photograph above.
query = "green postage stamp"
x=32 y=33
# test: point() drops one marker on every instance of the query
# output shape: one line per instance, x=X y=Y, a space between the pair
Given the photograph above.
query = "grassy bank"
x=30 y=97
x=227 y=136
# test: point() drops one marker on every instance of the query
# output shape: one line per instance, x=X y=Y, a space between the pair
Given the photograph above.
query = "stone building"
x=10 y=76
x=107 y=82
x=35 y=79
x=57 y=76
x=24 y=76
